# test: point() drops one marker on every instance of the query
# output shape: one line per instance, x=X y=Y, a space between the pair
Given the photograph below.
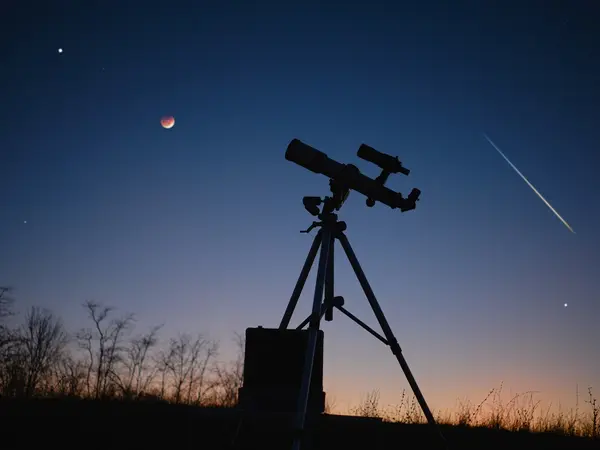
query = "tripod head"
x=339 y=193
x=345 y=177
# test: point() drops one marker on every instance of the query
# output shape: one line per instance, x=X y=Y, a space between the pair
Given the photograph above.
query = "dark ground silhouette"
x=70 y=423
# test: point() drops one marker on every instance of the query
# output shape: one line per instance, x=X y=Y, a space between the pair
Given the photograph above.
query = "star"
x=60 y=50
x=566 y=304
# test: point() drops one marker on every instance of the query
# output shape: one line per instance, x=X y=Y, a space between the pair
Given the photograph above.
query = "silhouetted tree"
x=6 y=303
x=184 y=364
x=137 y=374
x=41 y=342
x=12 y=373
x=228 y=378
x=70 y=376
x=35 y=357
x=9 y=366
x=103 y=344
x=200 y=373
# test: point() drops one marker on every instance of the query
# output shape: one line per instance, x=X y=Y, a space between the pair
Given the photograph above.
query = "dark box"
x=273 y=369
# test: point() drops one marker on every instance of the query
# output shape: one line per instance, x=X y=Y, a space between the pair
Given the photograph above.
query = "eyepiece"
x=414 y=195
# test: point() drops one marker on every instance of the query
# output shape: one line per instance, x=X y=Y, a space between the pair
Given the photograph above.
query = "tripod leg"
x=310 y=259
x=326 y=306
x=329 y=279
x=307 y=320
x=313 y=330
x=393 y=343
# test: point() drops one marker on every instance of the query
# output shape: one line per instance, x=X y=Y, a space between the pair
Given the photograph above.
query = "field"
x=112 y=389
x=70 y=423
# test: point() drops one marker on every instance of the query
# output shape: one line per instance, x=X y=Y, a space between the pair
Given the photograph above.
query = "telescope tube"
x=318 y=162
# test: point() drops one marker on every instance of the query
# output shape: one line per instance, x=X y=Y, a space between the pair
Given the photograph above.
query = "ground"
x=117 y=424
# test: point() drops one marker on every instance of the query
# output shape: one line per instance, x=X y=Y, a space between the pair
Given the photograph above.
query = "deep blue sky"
x=197 y=226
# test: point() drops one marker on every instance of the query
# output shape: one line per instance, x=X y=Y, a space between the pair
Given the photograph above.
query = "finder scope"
x=388 y=163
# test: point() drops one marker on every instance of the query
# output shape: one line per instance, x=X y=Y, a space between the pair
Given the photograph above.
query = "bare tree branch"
x=42 y=340
x=6 y=302
x=137 y=374
x=185 y=365
x=228 y=378
x=103 y=344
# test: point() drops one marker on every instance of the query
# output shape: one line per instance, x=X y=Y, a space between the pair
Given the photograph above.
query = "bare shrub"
x=368 y=406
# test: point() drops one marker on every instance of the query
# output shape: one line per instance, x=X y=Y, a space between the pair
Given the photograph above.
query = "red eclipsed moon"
x=167 y=122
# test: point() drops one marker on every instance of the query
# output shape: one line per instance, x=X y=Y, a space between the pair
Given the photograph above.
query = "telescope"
x=345 y=177
x=305 y=349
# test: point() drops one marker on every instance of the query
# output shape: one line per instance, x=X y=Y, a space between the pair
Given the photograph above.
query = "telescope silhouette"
x=346 y=177
x=299 y=386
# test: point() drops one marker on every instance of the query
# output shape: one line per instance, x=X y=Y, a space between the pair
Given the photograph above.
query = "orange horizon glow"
x=344 y=396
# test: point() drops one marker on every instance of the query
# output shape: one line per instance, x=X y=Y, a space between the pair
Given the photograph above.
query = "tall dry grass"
x=522 y=412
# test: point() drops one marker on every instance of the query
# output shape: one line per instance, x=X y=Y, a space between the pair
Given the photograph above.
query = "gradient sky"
x=197 y=227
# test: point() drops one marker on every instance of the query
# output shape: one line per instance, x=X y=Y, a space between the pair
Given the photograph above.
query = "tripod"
x=324 y=301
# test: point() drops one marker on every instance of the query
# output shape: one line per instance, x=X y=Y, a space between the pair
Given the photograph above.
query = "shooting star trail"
x=529 y=184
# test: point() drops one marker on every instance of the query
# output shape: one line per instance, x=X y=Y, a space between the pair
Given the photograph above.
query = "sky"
x=197 y=227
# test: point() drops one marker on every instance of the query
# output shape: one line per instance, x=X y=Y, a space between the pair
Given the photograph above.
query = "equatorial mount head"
x=340 y=193
x=311 y=204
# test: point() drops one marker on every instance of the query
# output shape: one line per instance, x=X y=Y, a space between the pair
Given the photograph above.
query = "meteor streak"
x=529 y=184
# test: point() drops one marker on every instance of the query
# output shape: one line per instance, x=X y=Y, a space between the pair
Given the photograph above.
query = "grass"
x=522 y=413
x=117 y=423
